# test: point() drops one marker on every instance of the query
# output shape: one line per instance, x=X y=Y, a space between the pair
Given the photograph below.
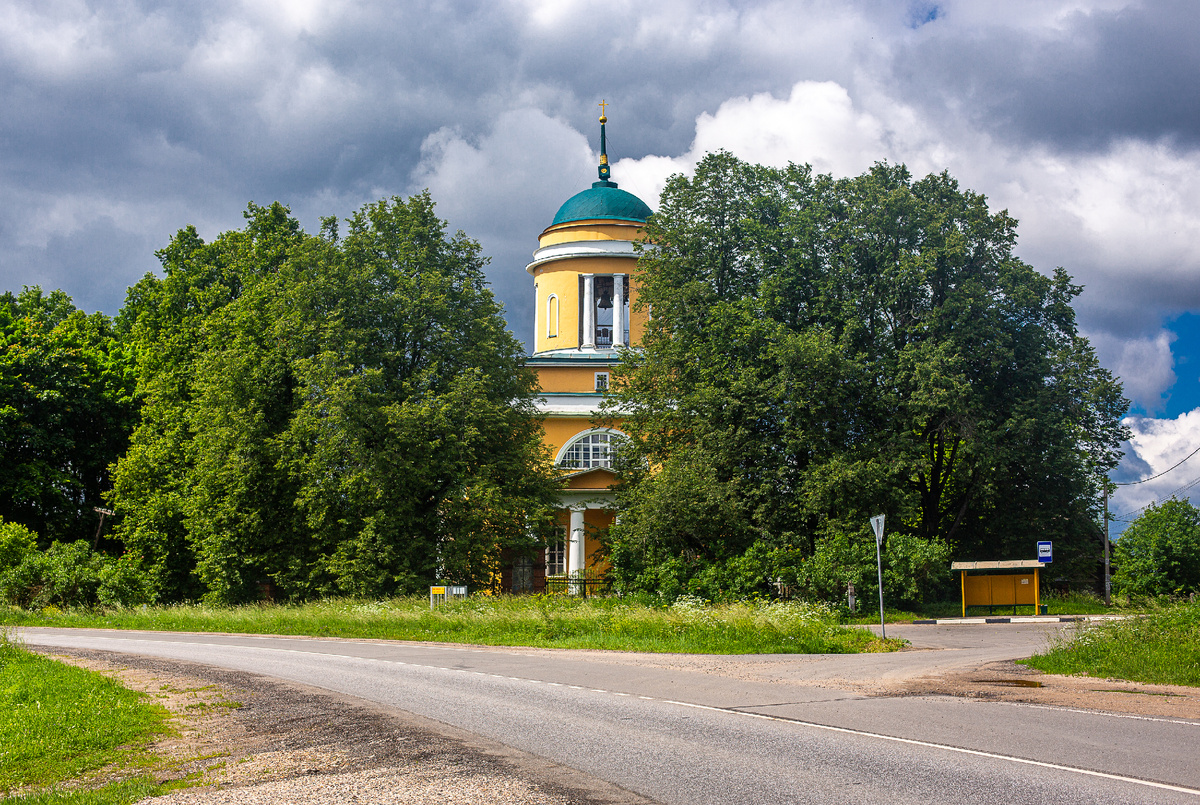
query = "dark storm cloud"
x=124 y=121
x=1095 y=77
x=147 y=117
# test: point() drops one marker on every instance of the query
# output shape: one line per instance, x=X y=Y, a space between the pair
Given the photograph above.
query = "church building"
x=582 y=274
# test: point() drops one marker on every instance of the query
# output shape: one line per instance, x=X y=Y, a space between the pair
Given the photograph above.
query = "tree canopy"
x=1159 y=553
x=327 y=414
x=821 y=350
x=66 y=409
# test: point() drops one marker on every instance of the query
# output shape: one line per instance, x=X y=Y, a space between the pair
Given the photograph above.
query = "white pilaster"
x=576 y=556
x=589 y=311
x=618 y=338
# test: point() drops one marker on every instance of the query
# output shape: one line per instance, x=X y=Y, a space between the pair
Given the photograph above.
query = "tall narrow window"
x=552 y=316
x=556 y=559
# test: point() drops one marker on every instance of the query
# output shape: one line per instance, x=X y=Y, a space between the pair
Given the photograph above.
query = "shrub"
x=914 y=569
x=16 y=542
x=73 y=575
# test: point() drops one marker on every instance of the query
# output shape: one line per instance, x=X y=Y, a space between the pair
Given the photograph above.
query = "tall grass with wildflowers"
x=1160 y=647
x=690 y=625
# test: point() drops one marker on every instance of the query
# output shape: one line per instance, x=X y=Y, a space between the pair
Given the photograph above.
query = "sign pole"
x=877 y=527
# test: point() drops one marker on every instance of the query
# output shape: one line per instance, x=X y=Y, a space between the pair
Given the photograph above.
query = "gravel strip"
x=431 y=783
x=251 y=739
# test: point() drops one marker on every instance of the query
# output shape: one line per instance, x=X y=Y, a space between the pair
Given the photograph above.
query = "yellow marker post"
x=1037 y=593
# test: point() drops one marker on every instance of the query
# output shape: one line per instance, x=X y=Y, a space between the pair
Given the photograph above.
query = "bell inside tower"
x=604 y=312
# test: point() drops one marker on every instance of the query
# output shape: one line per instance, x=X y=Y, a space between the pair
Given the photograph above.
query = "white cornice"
x=571 y=404
x=581 y=248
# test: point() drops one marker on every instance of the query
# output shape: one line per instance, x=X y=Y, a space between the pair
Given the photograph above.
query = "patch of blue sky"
x=1184 y=395
x=922 y=13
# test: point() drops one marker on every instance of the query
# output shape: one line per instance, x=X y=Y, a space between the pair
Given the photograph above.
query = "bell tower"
x=583 y=275
x=583 y=267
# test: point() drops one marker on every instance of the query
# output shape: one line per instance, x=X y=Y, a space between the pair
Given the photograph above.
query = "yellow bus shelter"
x=1008 y=588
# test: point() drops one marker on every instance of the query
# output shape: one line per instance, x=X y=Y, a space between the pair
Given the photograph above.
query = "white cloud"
x=503 y=189
x=1145 y=365
x=817 y=123
x=1120 y=220
x=1157 y=445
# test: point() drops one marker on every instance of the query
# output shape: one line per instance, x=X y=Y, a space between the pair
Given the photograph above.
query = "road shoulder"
x=1009 y=681
x=247 y=739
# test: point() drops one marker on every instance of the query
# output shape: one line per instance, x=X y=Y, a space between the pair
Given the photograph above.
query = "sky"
x=124 y=121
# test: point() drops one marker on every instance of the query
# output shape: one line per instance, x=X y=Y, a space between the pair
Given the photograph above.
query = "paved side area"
x=733 y=730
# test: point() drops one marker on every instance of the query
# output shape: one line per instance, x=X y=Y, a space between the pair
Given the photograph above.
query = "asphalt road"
x=737 y=730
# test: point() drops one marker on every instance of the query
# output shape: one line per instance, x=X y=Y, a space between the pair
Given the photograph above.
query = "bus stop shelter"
x=1000 y=584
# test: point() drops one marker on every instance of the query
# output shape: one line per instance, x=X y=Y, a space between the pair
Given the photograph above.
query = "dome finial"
x=604 y=169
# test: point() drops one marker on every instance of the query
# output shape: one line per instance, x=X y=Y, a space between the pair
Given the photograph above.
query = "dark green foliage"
x=1159 y=553
x=66 y=409
x=327 y=415
x=824 y=350
x=73 y=575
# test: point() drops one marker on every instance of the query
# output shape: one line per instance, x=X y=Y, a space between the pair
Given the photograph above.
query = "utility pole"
x=101 y=512
x=1107 y=576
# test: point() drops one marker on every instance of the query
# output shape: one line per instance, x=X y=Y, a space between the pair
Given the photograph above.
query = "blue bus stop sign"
x=1045 y=552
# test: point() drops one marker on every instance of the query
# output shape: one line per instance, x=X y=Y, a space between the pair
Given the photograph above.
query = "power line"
x=1161 y=474
x=1123 y=516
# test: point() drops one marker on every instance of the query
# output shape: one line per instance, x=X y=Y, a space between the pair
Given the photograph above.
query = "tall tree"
x=1159 y=553
x=334 y=414
x=823 y=350
x=66 y=410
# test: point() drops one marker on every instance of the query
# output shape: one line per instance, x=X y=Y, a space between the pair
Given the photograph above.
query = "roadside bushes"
x=16 y=542
x=66 y=574
x=915 y=571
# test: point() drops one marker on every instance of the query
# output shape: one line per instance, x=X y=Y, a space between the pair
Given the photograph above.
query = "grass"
x=119 y=793
x=688 y=626
x=59 y=722
x=1161 y=647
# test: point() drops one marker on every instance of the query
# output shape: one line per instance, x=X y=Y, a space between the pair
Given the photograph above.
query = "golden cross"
x=603 y=108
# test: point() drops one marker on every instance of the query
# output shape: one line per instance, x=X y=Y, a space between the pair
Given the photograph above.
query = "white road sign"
x=877 y=527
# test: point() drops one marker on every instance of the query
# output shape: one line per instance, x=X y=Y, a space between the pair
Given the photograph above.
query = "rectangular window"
x=601 y=381
x=556 y=559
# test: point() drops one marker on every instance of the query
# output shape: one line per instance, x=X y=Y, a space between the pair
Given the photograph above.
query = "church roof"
x=602 y=200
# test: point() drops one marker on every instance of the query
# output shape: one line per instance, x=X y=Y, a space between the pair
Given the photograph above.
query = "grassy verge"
x=546 y=621
x=120 y=793
x=1161 y=647
x=59 y=723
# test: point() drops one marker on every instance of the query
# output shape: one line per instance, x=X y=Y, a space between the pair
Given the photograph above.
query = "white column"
x=618 y=310
x=576 y=556
x=589 y=311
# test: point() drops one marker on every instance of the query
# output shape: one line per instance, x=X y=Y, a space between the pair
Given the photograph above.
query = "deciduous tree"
x=1159 y=553
x=66 y=410
x=330 y=415
x=821 y=350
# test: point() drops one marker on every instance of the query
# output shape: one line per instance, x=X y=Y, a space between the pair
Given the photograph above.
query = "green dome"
x=602 y=200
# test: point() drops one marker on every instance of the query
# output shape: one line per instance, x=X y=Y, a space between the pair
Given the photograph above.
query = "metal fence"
x=584 y=586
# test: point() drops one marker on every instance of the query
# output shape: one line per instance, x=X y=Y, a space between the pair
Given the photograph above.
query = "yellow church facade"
x=583 y=276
